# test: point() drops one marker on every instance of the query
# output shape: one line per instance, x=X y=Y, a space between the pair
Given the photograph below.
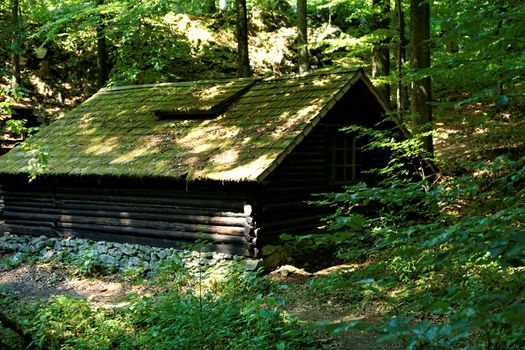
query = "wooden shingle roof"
x=118 y=132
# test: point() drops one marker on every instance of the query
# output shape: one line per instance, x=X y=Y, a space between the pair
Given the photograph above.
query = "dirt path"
x=306 y=305
x=36 y=281
x=41 y=281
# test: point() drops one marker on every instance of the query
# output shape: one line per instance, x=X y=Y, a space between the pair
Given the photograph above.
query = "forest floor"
x=462 y=135
x=35 y=282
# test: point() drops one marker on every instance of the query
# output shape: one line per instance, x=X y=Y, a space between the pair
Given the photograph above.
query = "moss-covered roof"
x=118 y=131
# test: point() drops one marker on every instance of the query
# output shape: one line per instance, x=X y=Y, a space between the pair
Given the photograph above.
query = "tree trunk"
x=401 y=93
x=421 y=89
x=102 y=51
x=15 y=41
x=302 y=37
x=243 y=60
x=380 y=51
x=211 y=8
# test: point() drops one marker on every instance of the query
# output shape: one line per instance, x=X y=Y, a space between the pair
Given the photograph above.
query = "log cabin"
x=228 y=162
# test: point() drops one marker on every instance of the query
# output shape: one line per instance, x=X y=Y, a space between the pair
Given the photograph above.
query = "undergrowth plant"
x=239 y=313
x=446 y=257
x=188 y=308
x=73 y=323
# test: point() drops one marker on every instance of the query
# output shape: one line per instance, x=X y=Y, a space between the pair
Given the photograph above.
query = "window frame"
x=344 y=152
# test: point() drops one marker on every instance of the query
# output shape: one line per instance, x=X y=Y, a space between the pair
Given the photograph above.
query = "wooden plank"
x=134 y=191
x=30 y=230
x=42 y=223
x=130 y=188
x=158 y=216
x=204 y=203
x=101 y=199
x=149 y=208
x=120 y=222
x=29 y=204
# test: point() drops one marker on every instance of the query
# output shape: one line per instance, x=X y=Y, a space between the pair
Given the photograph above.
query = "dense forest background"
x=64 y=50
x=440 y=260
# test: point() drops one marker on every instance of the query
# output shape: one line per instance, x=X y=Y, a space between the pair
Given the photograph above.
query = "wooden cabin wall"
x=361 y=107
x=303 y=172
x=145 y=212
x=306 y=170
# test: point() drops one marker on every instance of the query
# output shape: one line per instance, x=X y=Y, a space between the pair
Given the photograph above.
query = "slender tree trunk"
x=102 y=51
x=421 y=89
x=15 y=41
x=302 y=37
x=401 y=93
x=380 y=51
x=499 y=83
x=243 y=59
x=211 y=7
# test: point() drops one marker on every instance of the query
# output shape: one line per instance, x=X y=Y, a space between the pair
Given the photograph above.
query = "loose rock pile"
x=120 y=256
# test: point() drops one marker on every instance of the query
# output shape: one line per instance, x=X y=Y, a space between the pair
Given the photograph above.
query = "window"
x=346 y=159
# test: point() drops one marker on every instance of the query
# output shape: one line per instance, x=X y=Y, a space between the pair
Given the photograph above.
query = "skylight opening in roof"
x=208 y=103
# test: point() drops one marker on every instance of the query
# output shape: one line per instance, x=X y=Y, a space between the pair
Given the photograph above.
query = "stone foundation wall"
x=120 y=256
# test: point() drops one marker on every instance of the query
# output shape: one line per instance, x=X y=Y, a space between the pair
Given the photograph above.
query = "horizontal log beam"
x=123 y=192
x=145 y=232
x=41 y=223
x=150 y=208
x=121 y=222
x=198 y=202
x=30 y=230
x=28 y=204
x=201 y=203
x=161 y=215
x=136 y=191
x=205 y=203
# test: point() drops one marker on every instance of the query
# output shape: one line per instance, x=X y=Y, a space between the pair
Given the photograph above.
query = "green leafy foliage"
x=237 y=312
x=192 y=308
x=72 y=323
x=481 y=45
x=455 y=247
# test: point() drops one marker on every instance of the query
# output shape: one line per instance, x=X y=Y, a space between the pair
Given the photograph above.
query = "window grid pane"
x=346 y=158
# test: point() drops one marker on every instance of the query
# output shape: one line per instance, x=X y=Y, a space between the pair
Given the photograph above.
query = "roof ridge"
x=179 y=83
x=319 y=72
